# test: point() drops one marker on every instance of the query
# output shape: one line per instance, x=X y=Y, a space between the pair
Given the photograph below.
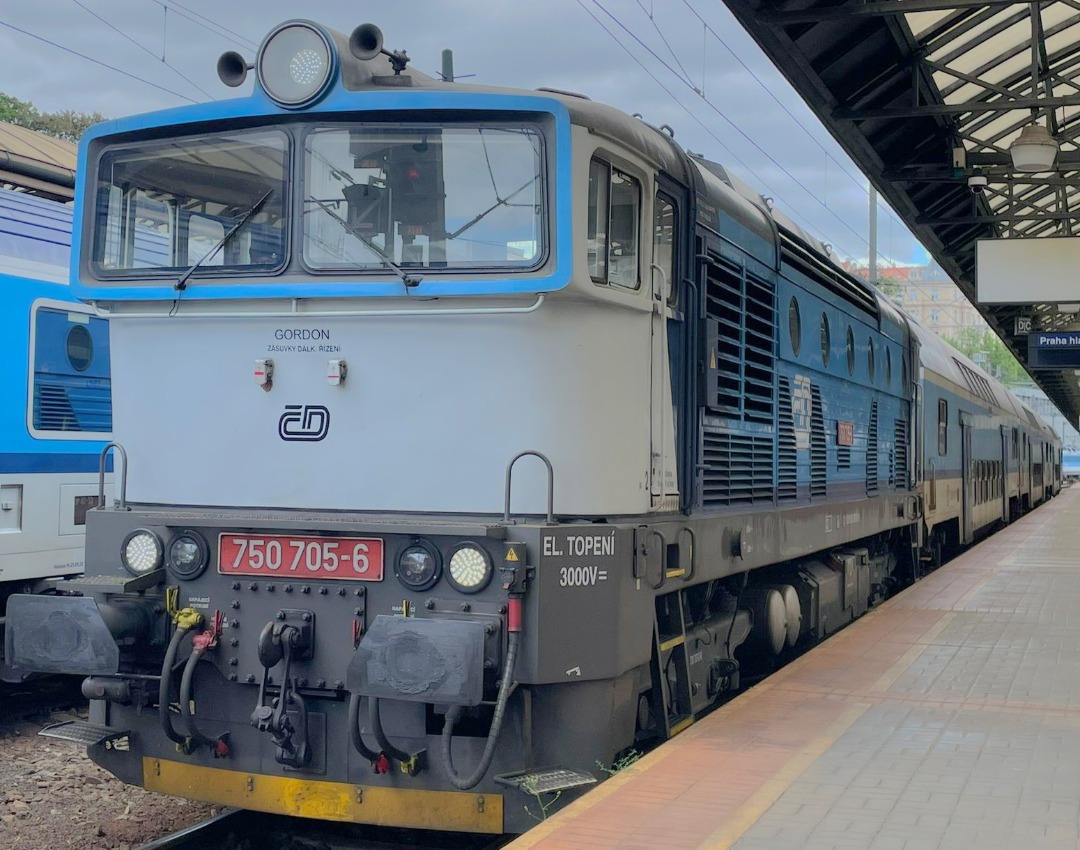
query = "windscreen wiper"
x=181 y=284
x=499 y=202
x=410 y=280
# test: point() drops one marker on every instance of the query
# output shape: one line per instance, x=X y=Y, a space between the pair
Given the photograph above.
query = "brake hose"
x=218 y=745
x=354 y=730
x=183 y=626
x=375 y=721
x=505 y=686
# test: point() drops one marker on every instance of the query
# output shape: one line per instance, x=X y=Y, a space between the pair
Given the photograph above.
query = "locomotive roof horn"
x=232 y=68
x=366 y=42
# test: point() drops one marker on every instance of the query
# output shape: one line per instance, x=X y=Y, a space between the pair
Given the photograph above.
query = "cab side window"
x=614 y=213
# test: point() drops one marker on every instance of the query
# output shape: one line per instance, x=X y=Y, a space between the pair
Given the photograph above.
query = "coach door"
x=664 y=277
x=968 y=485
x=1004 y=477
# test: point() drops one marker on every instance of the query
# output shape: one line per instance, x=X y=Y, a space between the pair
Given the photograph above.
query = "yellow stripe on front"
x=338 y=801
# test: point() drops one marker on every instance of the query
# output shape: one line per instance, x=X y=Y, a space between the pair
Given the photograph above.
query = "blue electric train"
x=476 y=437
x=55 y=409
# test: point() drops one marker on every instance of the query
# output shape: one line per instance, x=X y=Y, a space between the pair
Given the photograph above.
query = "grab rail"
x=550 y=487
x=123 y=475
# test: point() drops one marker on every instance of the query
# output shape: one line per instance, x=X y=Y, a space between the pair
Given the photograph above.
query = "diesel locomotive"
x=474 y=438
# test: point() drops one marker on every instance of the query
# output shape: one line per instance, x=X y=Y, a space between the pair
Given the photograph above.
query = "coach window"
x=614 y=210
x=870 y=358
x=850 y=351
x=664 y=245
x=888 y=366
x=826 y=340
x=942 y=426
x=794 y=326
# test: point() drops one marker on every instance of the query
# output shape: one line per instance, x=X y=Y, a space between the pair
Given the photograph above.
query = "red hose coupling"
x=513 y=614
x=381 y=764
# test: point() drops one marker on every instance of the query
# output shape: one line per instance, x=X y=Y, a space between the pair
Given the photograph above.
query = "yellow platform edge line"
x=337 y=801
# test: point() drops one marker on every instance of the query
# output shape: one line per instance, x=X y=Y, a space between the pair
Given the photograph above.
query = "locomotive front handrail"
x=295 y=313
x=123 y=475
x=550 y=487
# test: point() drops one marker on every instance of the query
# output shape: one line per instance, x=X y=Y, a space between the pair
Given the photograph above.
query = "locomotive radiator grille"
x=900 y=455
x=818 y=452
x=872 y=452
x=737 y=468
x=787 y=451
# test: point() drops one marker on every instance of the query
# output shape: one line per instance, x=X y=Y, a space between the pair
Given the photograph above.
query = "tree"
x=987 y=349
x=65 y=124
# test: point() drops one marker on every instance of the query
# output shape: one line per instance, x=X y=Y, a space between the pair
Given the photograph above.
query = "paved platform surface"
x=949 y=717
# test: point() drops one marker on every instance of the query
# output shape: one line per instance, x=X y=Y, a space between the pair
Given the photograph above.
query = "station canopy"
x=924 y=95
x=37 y=164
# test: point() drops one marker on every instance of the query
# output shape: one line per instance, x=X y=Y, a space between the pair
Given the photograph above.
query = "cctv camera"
x=977 y=184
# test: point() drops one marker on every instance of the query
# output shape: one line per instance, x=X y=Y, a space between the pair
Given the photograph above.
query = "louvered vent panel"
x=72 y=408
x=818 y=453
x=787 y=452
x=843 y=457
x=760 y=321
x=741 y=318
x=737 y=469
x=900 y=454
x=872 y=453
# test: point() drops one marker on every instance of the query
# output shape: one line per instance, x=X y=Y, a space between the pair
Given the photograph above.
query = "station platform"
x=949 y=717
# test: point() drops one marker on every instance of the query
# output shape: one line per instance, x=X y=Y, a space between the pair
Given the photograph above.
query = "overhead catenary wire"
x=144 y=48
x=113 y=68
x=207 y=24
x=733 y=125
x=694 y=116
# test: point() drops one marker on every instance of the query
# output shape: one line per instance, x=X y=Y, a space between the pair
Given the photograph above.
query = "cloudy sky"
x=686 y=63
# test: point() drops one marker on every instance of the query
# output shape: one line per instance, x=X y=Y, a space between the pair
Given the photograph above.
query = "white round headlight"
x=296 y=64
x=470 y=568
x=141 y=552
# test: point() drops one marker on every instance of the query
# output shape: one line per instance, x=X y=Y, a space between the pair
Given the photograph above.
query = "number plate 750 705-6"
x=348 y=558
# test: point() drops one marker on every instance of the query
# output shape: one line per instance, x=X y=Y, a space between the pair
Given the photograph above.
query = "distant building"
x=928 y=294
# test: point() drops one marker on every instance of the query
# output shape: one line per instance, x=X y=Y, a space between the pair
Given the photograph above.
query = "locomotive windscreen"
x=165 y=205
x=437 y=196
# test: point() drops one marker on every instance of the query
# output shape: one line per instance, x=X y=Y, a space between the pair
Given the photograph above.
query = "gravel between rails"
x=52 y=797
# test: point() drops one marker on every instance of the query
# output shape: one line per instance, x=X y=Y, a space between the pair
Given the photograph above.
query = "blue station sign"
x=1054 y=350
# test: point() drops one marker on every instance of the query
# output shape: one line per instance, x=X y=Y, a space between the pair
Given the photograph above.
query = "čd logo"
x=304 y=422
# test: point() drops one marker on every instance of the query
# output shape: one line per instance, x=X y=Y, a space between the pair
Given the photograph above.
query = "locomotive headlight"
x=418 y=566
x=141 y=552
x=470 y=568
x=187 y=555
x=296 y=64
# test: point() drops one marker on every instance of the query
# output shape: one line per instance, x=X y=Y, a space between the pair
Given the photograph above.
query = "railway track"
x=39 y=696
x=243 y=830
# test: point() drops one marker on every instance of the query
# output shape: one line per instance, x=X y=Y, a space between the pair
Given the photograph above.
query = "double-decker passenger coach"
x=476 y=438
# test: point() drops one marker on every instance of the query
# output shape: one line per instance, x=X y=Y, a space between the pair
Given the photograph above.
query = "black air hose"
x=375 y=721
x=197 y=737
x=354 y=730
x=465 y=783
x=164 y=687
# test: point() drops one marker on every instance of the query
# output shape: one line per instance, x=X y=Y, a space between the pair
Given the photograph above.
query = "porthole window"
x=826 y=342
x=888 y=366
x=870 y=358
x=80 y=348
x=850 y=351
x=795 y=326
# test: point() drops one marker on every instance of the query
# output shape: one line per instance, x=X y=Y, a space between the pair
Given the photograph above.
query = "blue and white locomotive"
x=54 y=398
x=475 y=437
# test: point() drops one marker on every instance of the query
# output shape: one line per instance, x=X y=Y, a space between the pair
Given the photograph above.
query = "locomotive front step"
x=82 y=732
x=547 y=780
